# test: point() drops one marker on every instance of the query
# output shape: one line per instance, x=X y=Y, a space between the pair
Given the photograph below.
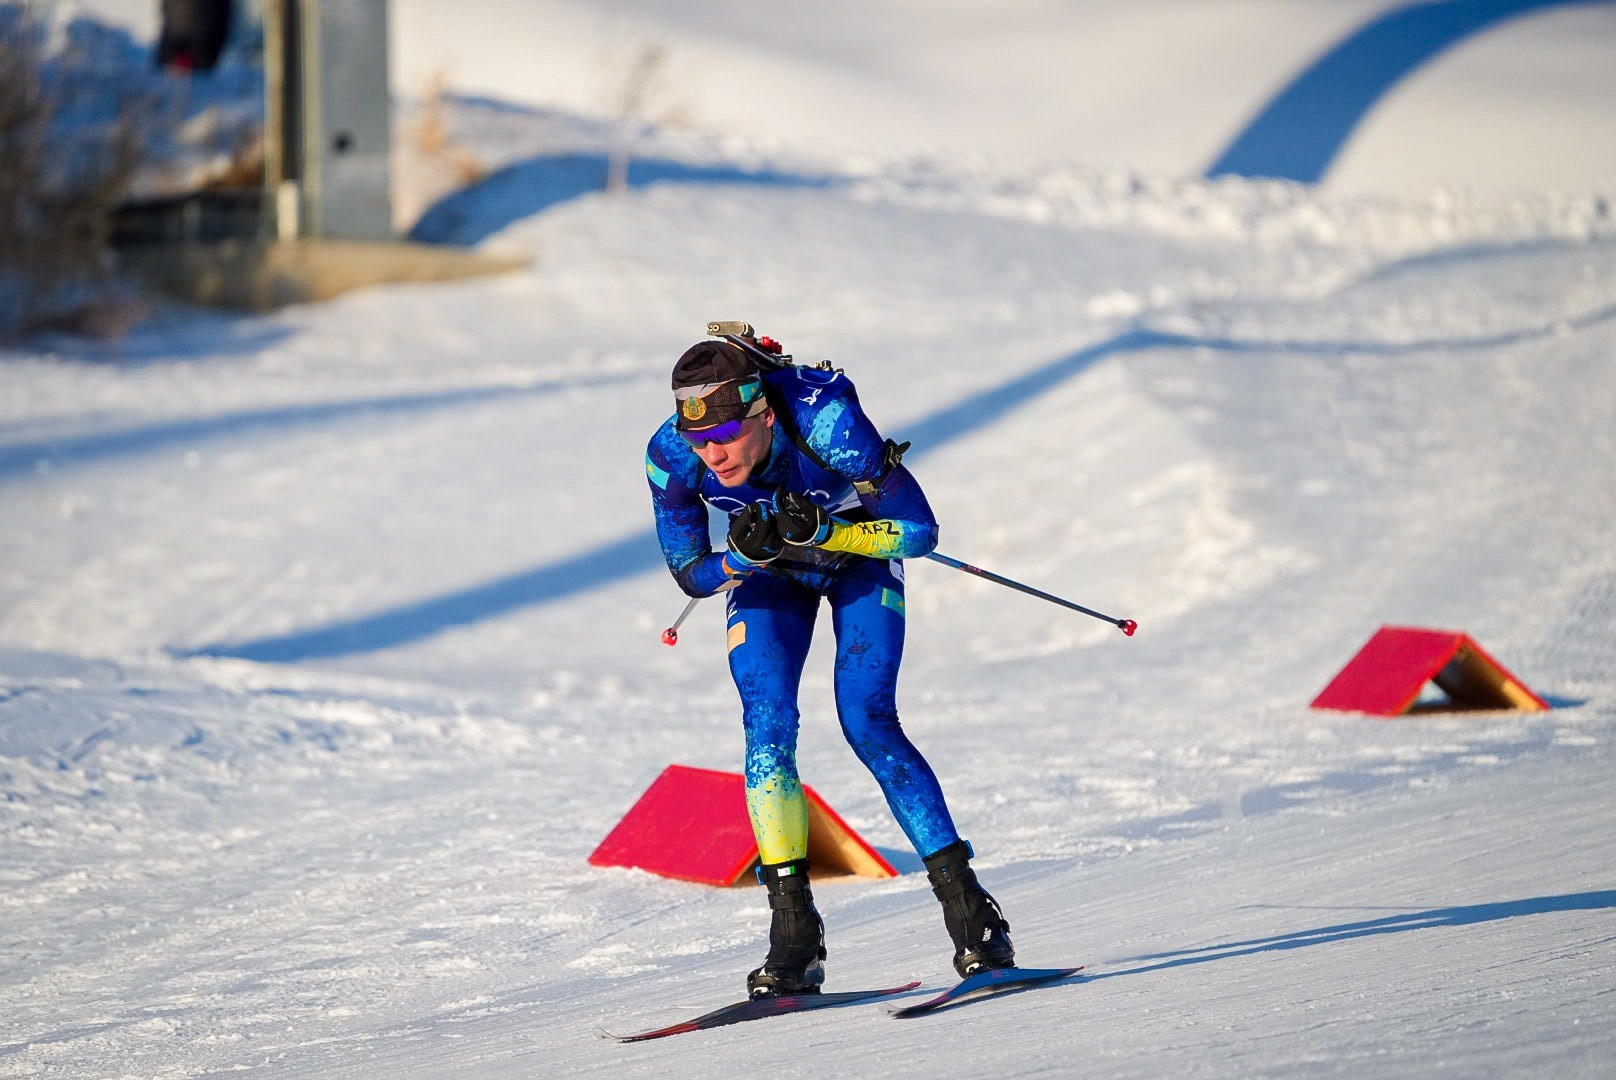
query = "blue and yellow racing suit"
x=826 y=448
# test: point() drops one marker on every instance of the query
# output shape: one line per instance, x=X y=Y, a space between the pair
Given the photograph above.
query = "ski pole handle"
x=1127 y=626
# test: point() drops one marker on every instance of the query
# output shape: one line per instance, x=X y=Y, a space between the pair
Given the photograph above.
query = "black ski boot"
x=981 y=936
x=795 y=964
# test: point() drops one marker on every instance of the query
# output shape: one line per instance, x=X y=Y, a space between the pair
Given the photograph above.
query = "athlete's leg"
x=867 y=612
x=771 y=623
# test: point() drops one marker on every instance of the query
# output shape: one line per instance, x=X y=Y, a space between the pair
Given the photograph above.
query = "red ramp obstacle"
x=691 y=824
x=1387 y=675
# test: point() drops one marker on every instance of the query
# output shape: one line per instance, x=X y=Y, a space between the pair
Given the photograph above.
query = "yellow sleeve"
x=887 y=538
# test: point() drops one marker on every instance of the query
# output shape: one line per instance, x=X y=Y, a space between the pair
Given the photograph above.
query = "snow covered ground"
x=329 y=638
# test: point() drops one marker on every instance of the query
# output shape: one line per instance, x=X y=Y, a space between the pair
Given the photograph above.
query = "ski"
x=988 y=984
x=758 y=1008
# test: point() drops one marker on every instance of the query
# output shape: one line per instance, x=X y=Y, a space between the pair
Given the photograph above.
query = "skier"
x=820 y=506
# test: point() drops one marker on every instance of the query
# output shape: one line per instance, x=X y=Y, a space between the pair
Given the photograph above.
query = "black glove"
x=754 y=537
x=801 y=520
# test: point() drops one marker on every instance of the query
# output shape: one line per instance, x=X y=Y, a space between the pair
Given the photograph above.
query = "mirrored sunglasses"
x=727 y=432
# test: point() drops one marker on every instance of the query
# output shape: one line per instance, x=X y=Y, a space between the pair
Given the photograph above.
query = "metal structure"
x=327 y=136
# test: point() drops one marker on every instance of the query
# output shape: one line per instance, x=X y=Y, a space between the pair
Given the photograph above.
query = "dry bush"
x=640 y=100
x=429 y=162
x=58 y=189
x=430 y=135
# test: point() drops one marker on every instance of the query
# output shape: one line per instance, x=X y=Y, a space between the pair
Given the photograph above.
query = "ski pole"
x=670 y=636
x=1127 y=626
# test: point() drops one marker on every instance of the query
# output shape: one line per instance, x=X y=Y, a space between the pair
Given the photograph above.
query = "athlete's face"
x=732 y=462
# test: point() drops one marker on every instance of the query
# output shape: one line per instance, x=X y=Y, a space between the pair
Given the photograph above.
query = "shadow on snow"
x=1298 y=134
x=640 y=553
x=27 y=458
x=519 y=191
x=1434 y=918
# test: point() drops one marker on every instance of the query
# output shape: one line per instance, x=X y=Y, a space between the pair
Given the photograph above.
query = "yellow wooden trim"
x=831 y=850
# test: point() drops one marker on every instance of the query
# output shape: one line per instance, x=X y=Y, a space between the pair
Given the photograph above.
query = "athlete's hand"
x=754 y=537
x=802 y=521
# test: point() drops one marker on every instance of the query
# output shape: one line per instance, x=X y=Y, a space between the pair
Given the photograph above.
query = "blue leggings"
x=771 y=623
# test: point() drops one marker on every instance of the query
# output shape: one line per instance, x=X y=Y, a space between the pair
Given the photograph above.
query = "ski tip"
x=646 y=1036
x=987 y=984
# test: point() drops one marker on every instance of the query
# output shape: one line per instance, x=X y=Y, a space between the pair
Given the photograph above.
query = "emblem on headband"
x=693 y=408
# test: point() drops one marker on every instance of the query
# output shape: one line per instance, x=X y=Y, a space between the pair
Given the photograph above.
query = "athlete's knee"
x=874 y=731
x=769 y=721
x=867 y=704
